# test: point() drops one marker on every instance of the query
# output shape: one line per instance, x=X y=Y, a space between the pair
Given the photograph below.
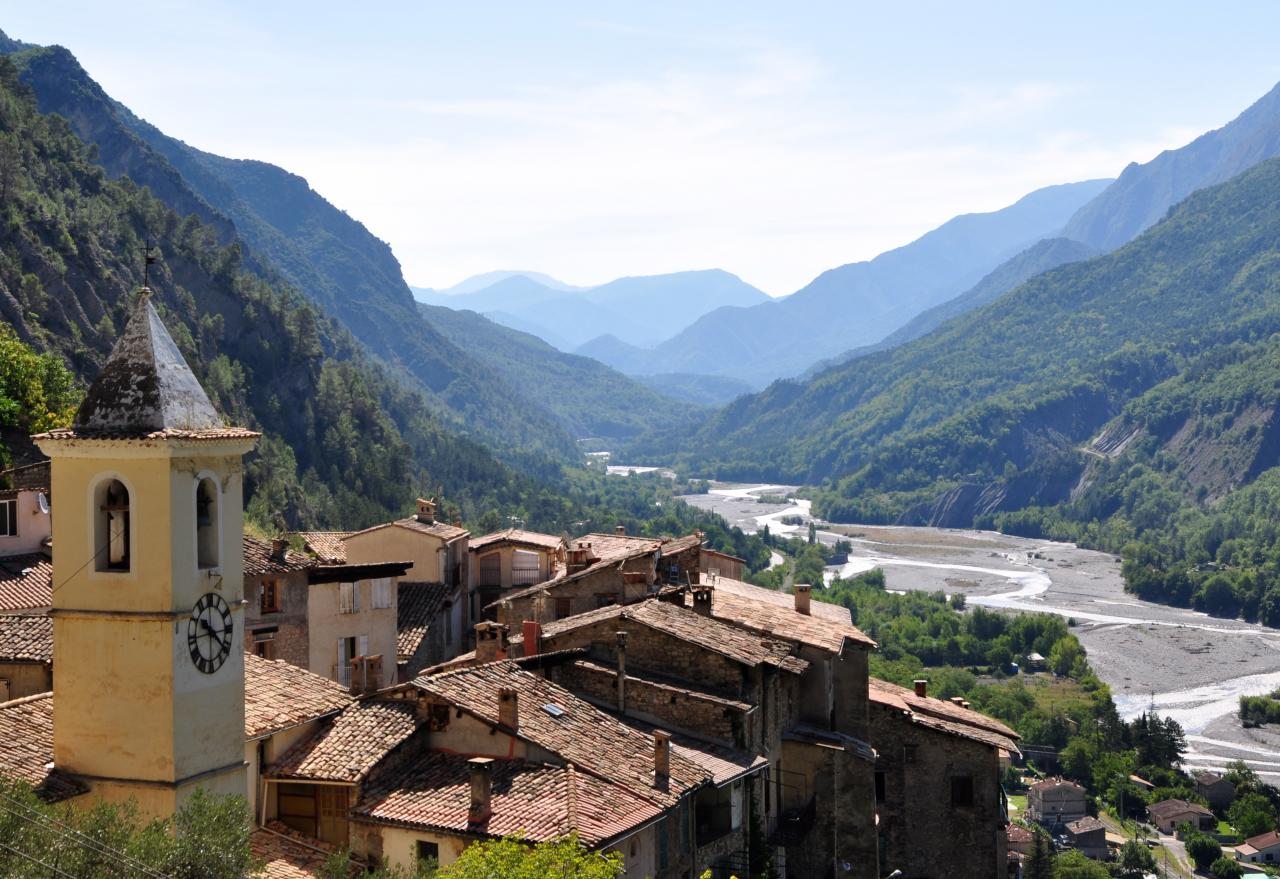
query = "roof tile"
x=26 y=638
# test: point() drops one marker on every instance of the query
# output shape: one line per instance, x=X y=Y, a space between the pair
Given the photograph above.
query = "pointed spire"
x=146 y=385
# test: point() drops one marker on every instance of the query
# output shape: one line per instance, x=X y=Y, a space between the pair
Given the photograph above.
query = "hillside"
x=589 y=398
x=704 y=390
x=1039 y=257
x=290 y=231
x=1143 y=194
x=344 y=444
x=986 y=413
x=861 y=303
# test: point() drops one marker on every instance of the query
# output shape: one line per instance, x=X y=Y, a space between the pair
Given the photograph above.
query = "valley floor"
x=1190 y=666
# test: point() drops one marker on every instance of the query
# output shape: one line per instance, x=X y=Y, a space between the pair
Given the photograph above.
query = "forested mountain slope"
x=292 y=231
x=986 y=413
x=589 y=398
x=860 y=303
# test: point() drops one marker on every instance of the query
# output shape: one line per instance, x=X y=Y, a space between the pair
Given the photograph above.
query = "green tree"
x=1251 y=814
x=1203 y=850
x=1074 y=865
x=1226 y=868
x=1040 y=862
x=512 y=859
x=1135 y=861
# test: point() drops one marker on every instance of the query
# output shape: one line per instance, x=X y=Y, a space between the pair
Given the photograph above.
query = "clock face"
x=209 y=632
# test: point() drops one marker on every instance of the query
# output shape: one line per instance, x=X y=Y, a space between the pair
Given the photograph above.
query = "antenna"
x=148 y=260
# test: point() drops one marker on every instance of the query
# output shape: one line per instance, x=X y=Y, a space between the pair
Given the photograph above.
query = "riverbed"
x=1179 y=662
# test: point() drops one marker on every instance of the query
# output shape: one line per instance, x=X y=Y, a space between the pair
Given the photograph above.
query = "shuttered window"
x=381 y=593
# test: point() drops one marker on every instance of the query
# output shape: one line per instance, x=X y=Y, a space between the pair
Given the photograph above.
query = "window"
x=9 y=518
x=428 y=851
x=526 y=568
x=564 y=608
x=348 y=598
x=112 y=537
x=269 y=598
x=381 y=593
x=491 y=570
x=206 y=524
x=881 y=778
x=962 y=790
x=264 y=642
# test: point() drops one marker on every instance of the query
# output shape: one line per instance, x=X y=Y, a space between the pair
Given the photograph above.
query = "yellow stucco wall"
x=129 y=702
x=326 y=625
x=395 y=544
x=24 y=679
x=400 y=846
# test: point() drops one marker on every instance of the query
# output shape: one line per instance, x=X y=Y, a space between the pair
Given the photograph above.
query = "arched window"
x=206 y=523
x=112 y=537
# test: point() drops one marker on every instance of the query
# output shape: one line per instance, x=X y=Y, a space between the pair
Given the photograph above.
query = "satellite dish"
x=43 y=501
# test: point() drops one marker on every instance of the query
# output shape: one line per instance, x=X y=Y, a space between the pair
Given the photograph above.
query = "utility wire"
x=67 y=832
x=26 y=857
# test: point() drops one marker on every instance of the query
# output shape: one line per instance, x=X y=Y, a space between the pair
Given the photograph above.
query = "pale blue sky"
x=592 y=140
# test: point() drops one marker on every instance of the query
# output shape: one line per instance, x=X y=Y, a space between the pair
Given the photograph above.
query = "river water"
x=1179 y=662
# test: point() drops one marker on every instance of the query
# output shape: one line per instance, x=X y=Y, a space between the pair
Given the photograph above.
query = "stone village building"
x=690 y=722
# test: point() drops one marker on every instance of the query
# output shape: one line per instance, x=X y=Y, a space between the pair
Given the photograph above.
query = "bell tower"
x=148 y=683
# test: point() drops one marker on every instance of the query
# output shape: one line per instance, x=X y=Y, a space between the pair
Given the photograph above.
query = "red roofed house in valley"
x=938 y=765
x=1261 y=849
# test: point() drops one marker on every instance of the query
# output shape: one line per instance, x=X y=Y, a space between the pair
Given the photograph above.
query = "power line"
x=26 y=857
x=68 y=832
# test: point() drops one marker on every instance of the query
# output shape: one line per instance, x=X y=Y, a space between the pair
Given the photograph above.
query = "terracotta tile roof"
x=258 y=561
x=1053 y=784
x=671 y=685
x=1207 y=778
x=536 y=800
x=1014 y=833
x=352 y=745
x=722 y=763
x=515 y=535
x=679 y=622
x=1264 y=840
x=327 y=546
x=435 y=529
x=26 y=582
x=278 y=696
x=208 y=435
x=27 y=477
x=287 y=854
x=619 y=550
x=26 y=730
x=1087 y=824
x=780 y=621
x=836 y=613
x=1173 y=808
x=417 y=604
x=944 y=715
x=680 y=544
x=26 y=638
x=578 y=733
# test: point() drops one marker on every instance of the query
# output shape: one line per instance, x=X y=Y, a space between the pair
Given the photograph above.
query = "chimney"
x=922 y=687
x=509 y=708
x=491 y=642
x=802 y=591
x=504 y=613
x=481 y=788
x=622 y=671
x=279 y=546
x=426 y=511
x=702 y=600
x=532 y=638
x=366 y=674
x=957 y=700
x=661 y=758
x=620 y=530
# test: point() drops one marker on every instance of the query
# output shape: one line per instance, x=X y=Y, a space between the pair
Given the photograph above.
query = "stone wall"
x=923 y=831
x=290 y=641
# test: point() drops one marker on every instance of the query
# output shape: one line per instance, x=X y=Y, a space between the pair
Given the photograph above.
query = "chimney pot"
x=661 y=757
x=621 y=530
x=426 y=511
x=491 y=641
x=279 y=546
x=957 y=700
x=702 y=596
x=481 y=789
x=802 y=591
x=922 y=687
x=509 y=708
x=532 y=638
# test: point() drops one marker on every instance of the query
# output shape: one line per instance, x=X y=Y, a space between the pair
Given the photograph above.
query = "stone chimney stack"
x=661 y=758
x=509 y=708
x=366 y=674
x=622 y=671
x=426 y=511
x=922 y=687
x=491 y=642
x=802 y=591
x=481 y=789
x=702 y=596
x=532 y=638
x=279 y=547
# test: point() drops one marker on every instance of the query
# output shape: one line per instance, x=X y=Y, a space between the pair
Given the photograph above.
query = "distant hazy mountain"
x=1039 y=257
x=639 y=311
x=479 y=282
x=588 y=398
x=1143 y=194
x=704 y=390
x=861 y=303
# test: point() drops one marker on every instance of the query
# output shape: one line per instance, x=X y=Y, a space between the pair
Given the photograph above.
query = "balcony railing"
x=342 y=674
